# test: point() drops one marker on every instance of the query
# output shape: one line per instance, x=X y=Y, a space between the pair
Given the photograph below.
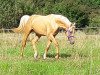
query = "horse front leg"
x=56 y=45
x=34 y=40
x=47 y=48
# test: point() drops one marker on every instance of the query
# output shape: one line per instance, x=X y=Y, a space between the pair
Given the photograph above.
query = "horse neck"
x=64 y=20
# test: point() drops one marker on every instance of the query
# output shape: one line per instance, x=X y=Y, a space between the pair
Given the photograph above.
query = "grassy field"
x=82 y=58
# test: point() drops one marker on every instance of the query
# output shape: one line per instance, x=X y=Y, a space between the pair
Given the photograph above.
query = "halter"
x=69 y=34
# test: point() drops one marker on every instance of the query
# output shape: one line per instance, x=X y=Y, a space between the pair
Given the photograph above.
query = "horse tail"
x=20 y=27
x=23 y=22
x=17 y=30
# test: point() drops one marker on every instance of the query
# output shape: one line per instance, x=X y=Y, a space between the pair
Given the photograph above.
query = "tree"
x=83 y=12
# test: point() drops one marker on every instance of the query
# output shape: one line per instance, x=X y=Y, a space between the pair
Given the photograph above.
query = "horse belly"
x=40 y=28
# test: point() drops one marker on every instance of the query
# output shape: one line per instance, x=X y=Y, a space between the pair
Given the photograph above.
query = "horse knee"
x=32 y=41
x=56 y=44
x=23 y=44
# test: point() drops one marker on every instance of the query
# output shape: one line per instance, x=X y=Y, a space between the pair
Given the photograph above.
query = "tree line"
x=86 y=13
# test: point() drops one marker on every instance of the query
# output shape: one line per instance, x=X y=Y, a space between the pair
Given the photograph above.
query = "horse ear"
x=73 y=25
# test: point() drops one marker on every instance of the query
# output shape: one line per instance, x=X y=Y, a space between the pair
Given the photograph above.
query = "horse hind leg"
x=34 y=40
x=25 y=35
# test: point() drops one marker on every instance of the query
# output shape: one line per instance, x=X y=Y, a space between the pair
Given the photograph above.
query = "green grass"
x=83 y=58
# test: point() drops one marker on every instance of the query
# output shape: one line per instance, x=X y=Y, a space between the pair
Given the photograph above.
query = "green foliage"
x=84 y=13
x=6 y=13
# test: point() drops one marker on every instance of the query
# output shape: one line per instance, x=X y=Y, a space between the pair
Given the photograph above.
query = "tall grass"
x=82 y=58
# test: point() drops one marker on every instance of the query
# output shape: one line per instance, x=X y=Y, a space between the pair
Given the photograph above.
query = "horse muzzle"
x=72 y=42
x=71 y=39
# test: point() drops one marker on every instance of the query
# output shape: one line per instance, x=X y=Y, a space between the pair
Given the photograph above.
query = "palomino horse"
x=47 y=26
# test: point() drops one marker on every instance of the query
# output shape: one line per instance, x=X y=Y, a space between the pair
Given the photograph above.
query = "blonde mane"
x=62 y=18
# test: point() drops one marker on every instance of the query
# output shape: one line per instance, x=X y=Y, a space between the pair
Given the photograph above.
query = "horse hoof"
x=35 y=56
x=44 y=56
x=57 y=57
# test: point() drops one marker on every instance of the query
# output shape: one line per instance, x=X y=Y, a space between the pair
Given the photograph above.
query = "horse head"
x=64 y=23
x=70 y=33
